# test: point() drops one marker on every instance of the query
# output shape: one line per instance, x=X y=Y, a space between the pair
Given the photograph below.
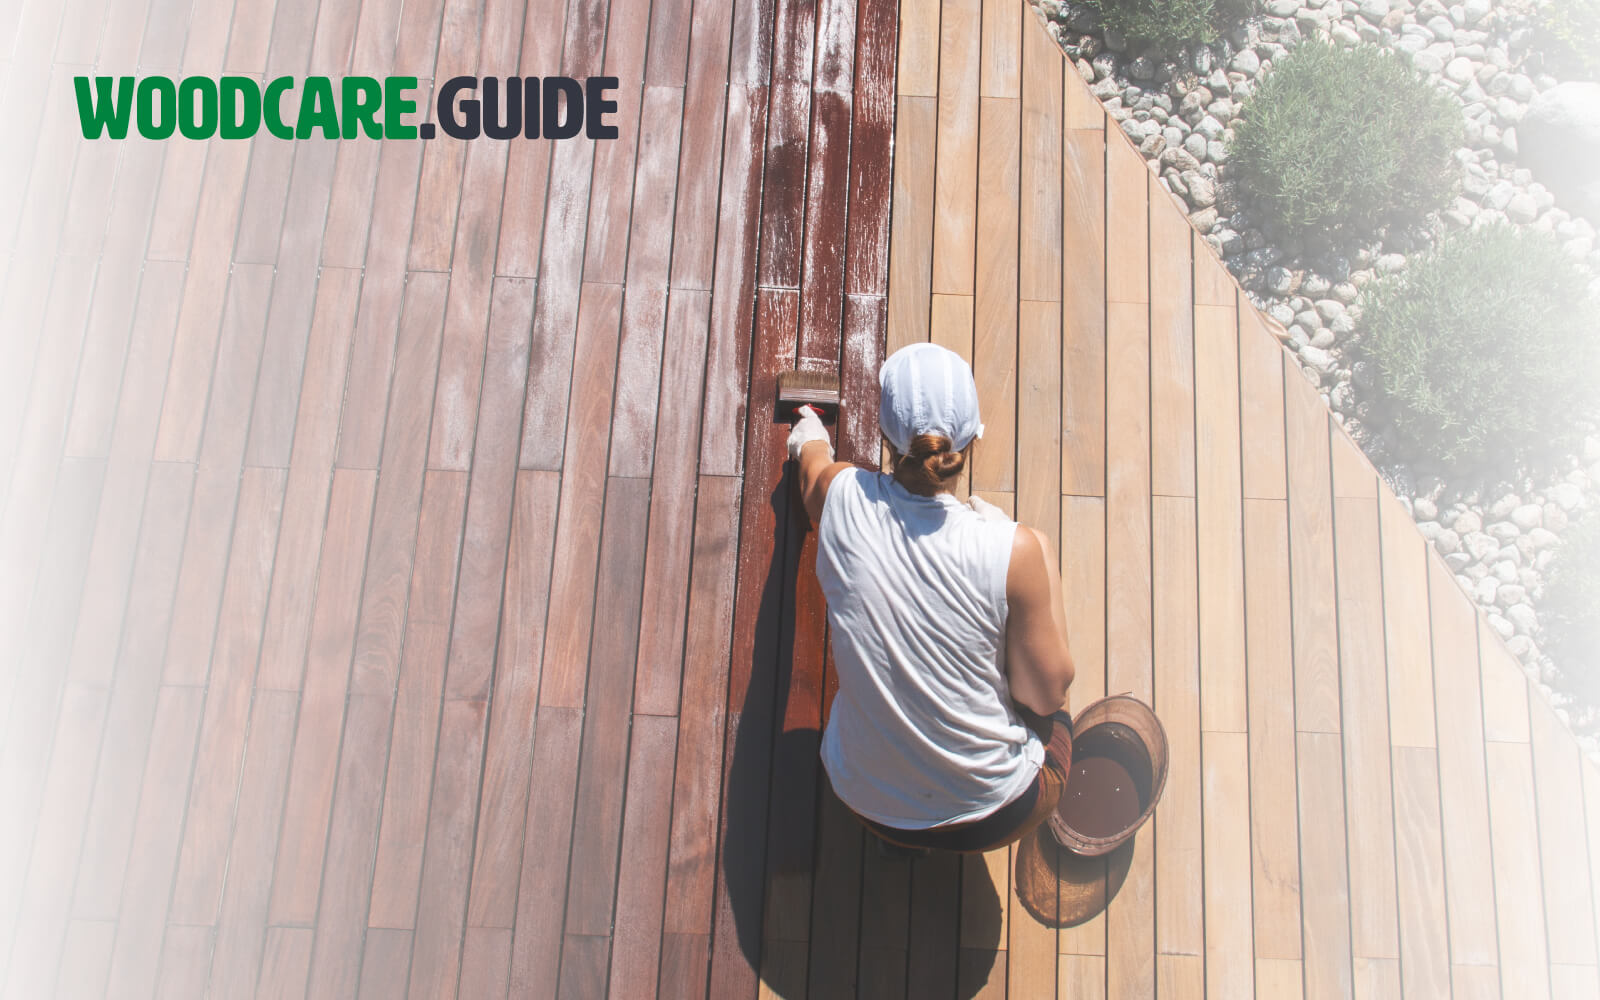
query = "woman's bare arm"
x=817 y=469
x=1038 y=662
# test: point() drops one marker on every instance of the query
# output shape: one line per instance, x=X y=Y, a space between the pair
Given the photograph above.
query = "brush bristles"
x=800 y=387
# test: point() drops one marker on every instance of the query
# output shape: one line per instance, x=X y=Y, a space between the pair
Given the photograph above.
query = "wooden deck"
x=401 y=593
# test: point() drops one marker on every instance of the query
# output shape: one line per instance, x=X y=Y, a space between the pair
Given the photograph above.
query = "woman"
x=947 y=626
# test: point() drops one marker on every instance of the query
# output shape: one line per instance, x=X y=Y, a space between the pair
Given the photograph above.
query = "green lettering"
x=395 y=104
x=197 y=92
x=317 y=110
x=97 y=111
x=272 y=107
x=237 y=122
x=361 y=98
x=157 y=93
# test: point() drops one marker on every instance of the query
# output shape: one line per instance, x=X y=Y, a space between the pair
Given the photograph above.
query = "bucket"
x=1119 y=767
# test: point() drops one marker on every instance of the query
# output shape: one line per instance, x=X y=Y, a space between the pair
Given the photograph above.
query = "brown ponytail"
x=931 y=467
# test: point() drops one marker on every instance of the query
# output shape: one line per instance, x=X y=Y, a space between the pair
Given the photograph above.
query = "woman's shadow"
x=821 y=909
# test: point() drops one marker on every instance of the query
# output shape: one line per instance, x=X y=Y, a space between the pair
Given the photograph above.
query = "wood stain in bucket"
x=1107 y=784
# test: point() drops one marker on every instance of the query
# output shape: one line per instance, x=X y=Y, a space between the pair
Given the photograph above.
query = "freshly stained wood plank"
x=1225 y=765
x=836 y=899
x=1407 y=639
x=1040 y=206
x=504 y=801
x=1083 y=337
x=86 y=959
x=918 y=72
x=683 y=966
x=409 y=781
x=994 y=359
x=1176 y=645
x=241 y=921
x=470 y=328
x=697 y=780
x=418 y=40
x=1565 y=862
x=934 y=939
x=910 y=245
x=1261 y=407
x=666 y=63
x=1369 y=811
x=591 y=885
x=103 y=861
x=646 y=824
x=385 y=963
x=1274 y=837
x=43 y=903
x=646 y=310
x=1039 y=437
x=783 y=176
x=285 y=962
x=766 y=542
x=583 y=969
x=1518 y=892
x=292 y=308
x=185 y=953
x=884 y=935
x=305 y=506
x=1574 y=981
x=157 y=832
x=1419 y=862
x=985 y=888
x=705 y=101
x=536 y=945
x=297 y=873
x=486 y=962
x=1324 y=875
x=352 y=836
x=447 y=859
x=1463 y=802
x=1505 y=689
x=872 y=132
x=383 y=289
x=266 y=190
x=197 y=891
x=1316 y=656
x=1172 y=471
x=486 y=534
x=823 y=250
x=1221 y=529
x=733 y=302
x=983 y=974
x=439 y=188
x=671 y=560
x=955 y=171
x=582 y=486
x=194 y=352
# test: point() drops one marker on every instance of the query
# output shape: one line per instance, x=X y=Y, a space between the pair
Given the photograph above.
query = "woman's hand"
x=806 y=430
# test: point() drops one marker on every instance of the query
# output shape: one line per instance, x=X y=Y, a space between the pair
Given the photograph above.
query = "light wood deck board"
x=296 y=700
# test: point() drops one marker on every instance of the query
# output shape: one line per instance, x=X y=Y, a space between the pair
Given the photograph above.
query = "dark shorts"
x=1006 y=825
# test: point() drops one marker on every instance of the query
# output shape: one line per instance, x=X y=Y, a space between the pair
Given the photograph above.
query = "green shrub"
x=1567 y=35
x=1570 y=613
x=1482 y=354
x=1335 y=143
x=1166 y=24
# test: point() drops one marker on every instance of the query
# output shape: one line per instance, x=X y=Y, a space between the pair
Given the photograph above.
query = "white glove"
x=986 y=510
x=807 y=429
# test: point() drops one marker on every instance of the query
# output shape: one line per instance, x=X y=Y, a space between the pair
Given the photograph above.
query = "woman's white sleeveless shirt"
x=922 y=732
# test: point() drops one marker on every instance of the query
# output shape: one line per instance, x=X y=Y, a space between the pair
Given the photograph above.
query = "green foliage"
x=1567 y=35
x=1570 y=613
x=1483 y=354
x=1166 y=24
x=1336 y=143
